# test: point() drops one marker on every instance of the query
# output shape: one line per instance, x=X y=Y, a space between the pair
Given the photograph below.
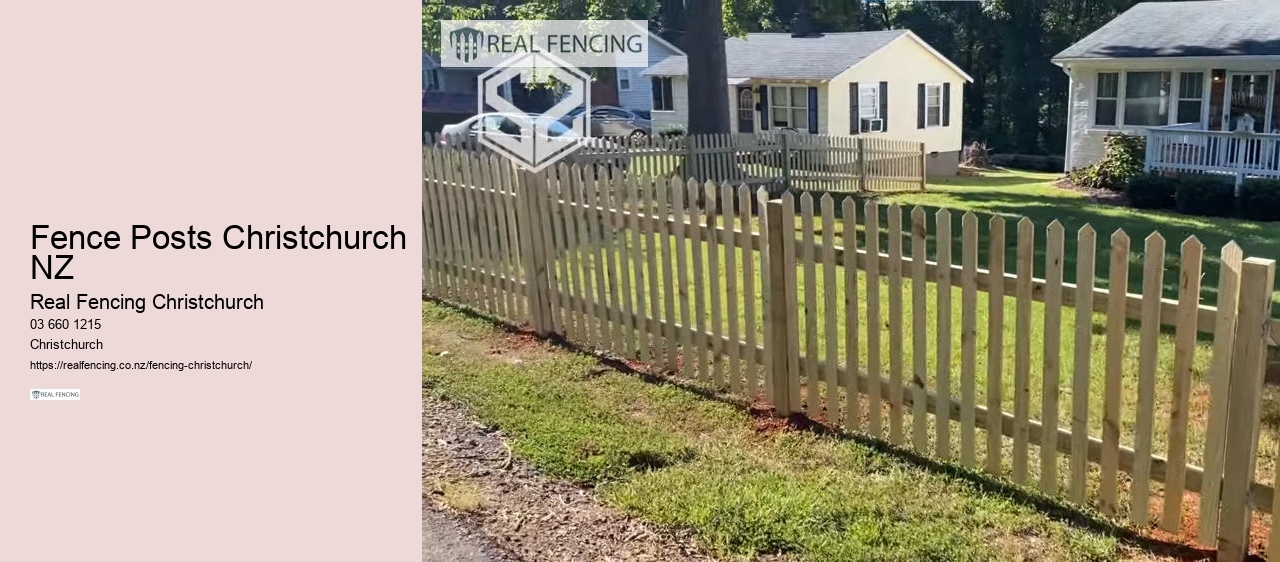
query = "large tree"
x=708 y=76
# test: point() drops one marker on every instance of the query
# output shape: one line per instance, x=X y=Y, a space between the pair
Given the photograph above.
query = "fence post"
x=530 y=222
x=780 y=226
x=923 y=165
x=786 y=162
x=862 y=165
x=1248 y=360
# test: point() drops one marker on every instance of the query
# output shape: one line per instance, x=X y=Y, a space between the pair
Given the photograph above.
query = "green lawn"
x=1015 y=194
x=676 y=458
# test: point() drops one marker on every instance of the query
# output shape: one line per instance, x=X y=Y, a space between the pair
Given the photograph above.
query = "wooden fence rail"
x=1103 y=397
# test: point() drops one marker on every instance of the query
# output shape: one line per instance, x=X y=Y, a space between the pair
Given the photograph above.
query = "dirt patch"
x=1104 y=196
x=525 y=514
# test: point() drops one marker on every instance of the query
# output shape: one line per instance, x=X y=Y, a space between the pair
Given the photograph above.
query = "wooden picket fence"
x=778 y=161
x=851 y=322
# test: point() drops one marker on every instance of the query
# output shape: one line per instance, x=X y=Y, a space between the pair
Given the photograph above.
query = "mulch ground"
x=524 y=514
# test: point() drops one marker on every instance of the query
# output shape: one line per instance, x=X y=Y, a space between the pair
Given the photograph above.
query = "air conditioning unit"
x=873 y=125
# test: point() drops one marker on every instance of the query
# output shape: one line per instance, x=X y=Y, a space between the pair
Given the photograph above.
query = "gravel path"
x=481 y=504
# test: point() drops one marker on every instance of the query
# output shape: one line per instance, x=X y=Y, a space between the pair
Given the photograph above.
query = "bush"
x=1122 y=162
x=672 y=132
x=1151 y=191
x=1033 y=162
x=1205 y=195
x=1260 y=199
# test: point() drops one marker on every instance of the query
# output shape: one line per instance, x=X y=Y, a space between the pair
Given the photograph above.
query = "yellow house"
x=888 y=83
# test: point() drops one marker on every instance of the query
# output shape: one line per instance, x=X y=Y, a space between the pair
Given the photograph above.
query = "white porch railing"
x=1182 y=148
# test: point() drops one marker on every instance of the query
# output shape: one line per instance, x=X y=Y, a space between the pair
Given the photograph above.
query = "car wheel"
x=638 y=136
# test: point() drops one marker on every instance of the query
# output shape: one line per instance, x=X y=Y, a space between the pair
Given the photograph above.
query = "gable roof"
x=1207 y=28
x=783 y=57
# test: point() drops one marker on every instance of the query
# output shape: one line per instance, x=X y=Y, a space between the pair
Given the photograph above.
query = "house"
x=634 y=90
x=449 y=94
x=887 y=83
x=1177 y=72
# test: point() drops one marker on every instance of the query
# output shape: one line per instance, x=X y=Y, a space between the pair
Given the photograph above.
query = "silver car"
x=614 y=122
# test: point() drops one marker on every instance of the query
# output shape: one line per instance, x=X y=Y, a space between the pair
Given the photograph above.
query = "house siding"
x=904 y=64
x=663 y=120
x=640 y=96
x=1086 y=147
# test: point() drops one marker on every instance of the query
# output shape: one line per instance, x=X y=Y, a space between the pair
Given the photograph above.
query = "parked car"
x=614 y=122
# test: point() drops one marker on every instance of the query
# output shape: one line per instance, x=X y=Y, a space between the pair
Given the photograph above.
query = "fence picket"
x=766 y=309
x=1184 y=355
x=830 y=295
x=875 y=402
x=1086 y=242
x=748 y=290
x=713 y=284
x=968 y=339
x=942 y=378
x=792 y=323
x=730 y=244
x=849 y=210
x=633 y=270
x=895 y=324
x=699 y=324
x=1053 y=257
x=1219 y=377
x=919 y=341
x=1152 y=285
x=609 y=215
x=574 y=211
x=810 y=306
x=995 y=340
x=667 y=194
x=1110 y=459
x=625 y=331
x=1022 y=350
x=678 y=191
x=596 y=245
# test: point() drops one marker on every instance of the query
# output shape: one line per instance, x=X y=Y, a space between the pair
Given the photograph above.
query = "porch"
x=1188 y=149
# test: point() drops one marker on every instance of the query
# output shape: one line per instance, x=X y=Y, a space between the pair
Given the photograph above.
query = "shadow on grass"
x=983 y=482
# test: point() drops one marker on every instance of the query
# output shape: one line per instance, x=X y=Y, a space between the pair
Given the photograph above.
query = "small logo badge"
x=35 y=395
x=465 y=43
x=44 y=394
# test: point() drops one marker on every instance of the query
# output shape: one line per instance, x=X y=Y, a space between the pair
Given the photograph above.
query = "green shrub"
x=1205 y=195
x=1151 y=191
x=1123 y=162
x=1260 y=199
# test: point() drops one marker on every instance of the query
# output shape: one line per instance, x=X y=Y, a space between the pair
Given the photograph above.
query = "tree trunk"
x=708 y=77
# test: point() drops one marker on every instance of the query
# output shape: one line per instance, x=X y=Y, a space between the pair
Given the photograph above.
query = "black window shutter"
x=854 y=121
x=920 y=99
x=655 y=88
x=813 y=110
x=884 y=106
x=764 y=108
x=946 y=104
x=667 y=94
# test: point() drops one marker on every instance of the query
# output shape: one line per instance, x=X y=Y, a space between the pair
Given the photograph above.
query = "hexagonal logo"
x=534 y=141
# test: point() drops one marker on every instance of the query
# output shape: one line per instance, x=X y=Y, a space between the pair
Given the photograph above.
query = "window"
x=624 y=79
x=1146 y=98
x=1190 y=96
x=789 y=107
x=868 y=101
x=1106 y=98
x=662 y=100
x=933 y=105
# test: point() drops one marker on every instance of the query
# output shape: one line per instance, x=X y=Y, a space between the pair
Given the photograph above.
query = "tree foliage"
x=1016 y=103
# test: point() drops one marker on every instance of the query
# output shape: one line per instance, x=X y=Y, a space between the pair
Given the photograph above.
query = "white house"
x=1177 y=72
x=634 y=90
x=888 y=83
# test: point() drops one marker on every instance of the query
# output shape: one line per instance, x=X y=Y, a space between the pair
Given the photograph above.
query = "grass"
x=671 y=456
x=1008 y=193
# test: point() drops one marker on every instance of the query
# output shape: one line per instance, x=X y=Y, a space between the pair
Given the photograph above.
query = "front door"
x=746 y=110
x=1248 y=107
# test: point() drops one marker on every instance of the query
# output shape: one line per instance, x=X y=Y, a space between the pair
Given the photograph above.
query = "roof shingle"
x=1185 y=29
x=783 y=57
